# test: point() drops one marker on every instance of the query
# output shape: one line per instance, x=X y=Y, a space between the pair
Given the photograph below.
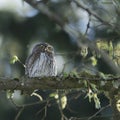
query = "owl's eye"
x=49 y=48
x=42 y=47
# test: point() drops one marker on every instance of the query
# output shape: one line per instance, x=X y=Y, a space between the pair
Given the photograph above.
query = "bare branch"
x=95 y=15
x=19 y=113
x=103 y=108
x=44 y=10
x=88 y=25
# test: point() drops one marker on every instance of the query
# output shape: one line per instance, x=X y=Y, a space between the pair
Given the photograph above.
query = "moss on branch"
x=59 y=82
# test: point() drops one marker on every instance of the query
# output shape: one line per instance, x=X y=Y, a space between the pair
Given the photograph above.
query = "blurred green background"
x=22 y=26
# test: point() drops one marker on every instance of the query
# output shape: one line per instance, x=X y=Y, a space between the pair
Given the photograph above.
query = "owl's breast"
x=44 y=65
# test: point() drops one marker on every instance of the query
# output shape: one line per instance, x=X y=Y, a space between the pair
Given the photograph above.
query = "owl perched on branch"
x=41 y=62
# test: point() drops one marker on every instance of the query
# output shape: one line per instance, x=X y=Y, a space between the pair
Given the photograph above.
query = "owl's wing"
x=29 y=63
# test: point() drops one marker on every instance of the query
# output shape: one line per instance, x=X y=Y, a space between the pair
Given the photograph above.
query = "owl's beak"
x=49 y=49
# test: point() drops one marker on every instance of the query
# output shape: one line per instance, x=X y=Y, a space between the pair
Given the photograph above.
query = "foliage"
x=85 y=35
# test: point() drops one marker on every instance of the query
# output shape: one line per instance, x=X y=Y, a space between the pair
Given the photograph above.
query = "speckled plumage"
x=41 y=62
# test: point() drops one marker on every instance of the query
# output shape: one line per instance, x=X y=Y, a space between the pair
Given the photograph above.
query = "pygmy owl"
x=41 y=62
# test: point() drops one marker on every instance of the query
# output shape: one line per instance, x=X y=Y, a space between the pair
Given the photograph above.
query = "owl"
x=41 y=62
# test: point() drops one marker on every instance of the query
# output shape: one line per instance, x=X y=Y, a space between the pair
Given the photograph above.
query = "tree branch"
x=44 y=10
x=69 y=82
x=92 y=13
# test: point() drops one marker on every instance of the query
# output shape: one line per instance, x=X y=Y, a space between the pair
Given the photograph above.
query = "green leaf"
x=55 y=95
x=102 y=75
x=74 y=74
x=14 y=59
x=97 y=101
x=9 y=94
x=94 y=61
x=85 y=83
x=63 y=101
x=65 y=74
x=93 y=86
x=89 y=95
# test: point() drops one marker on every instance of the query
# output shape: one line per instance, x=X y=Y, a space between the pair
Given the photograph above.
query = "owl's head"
x=41 y=62
x=43 y=47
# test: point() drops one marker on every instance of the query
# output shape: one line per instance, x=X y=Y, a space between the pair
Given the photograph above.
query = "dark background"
x=21 y=29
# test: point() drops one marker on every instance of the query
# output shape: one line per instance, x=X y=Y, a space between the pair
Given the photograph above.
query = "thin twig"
x=88 y=25
x=103 y=108
x=93 y=14
x=19 y=113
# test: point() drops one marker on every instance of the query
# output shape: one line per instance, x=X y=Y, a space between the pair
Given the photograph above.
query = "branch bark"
x=58 y=82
